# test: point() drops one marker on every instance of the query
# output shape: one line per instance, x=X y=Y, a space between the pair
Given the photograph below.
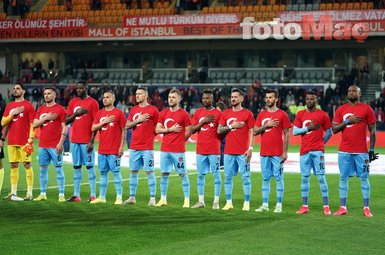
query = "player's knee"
x=59 y=166
x=14 y=165
x=89 y=167
x=27 y=164
x=165 y=174
x=182 y=175
x=77 y=167
x=135 y=172
x=147 y=172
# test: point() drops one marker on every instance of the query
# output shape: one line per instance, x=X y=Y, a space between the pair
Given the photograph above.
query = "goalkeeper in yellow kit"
x=18 y=116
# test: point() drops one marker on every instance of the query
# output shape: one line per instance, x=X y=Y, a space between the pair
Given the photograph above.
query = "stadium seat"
x=349 y=6
x=336 y=6
x=364 y=6
x=343 y=6
x=370 y=6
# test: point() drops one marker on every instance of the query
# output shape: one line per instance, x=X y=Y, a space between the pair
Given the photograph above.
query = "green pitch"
x=50 y=227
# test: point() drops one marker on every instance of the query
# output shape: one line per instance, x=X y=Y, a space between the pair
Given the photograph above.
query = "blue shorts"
x=271 y=166
x=169 y=159
x=48 y=154
x=312 y=160
x=205 y=163
x=108 y=162
x=235 y=163
x=80 y=157
x=142 y=159
x=353 y=164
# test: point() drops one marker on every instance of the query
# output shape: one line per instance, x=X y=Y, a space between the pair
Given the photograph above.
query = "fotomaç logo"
x=308 y=28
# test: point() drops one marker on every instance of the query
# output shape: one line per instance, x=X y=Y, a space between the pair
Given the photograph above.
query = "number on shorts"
x=322 y=166
x=151 y=163
x=89 y=159
x=117 y=162
x=366 y=168
x=180 y=165
x=58 y=157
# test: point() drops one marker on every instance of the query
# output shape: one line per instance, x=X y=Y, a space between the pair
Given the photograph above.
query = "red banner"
x=202 y=26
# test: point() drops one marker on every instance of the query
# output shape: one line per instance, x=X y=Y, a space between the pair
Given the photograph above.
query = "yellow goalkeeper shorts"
x=17 y=154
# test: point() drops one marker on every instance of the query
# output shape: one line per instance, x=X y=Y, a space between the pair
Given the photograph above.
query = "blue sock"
x=163 y=185
x=228 y=187
x=60 y=179
x=186 y=186
x=246 y=187
x=324 y=189
x=305 y=186
x=118 y=183
x=134 y=177
x=280 y=189
x=201 y=184
x=365 y=188
x=217 y=184
x=265 y=190
x=43 y=179
x=344 y=187
x=103 y=184
x=77 y=181
x=92 y=180
x=152 y=184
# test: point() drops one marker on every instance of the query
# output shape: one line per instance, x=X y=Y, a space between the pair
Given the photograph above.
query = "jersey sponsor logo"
x=106 y=126
x=211 y=125
x=346 y=116
x=230 y=121
x=47 y=122
x=263 y=123
x=135 y=117
x=305 y=124
x=20 y=115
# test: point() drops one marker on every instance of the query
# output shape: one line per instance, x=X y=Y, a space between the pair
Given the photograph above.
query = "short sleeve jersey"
x=354 y=135
x=81 y=127
x=111 y=133
x=208 y=141
x=237 y=140
x=51 y=131
x=272 y=138
x=312 y=140
x=20 y=125
x=143 y=134
x=174 y=141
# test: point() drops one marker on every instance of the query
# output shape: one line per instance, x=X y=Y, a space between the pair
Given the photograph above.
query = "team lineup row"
x=235 y=124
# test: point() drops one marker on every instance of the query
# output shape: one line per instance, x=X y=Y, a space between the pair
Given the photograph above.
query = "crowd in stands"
x=17 y=7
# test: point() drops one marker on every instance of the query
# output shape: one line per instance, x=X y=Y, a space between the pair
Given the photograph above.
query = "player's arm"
x=372 y=130
x=338 y=127
x=286 y=139
x=59 y=146
x=299 y=131
x=223 y=130
x=90 y=145
x=268 y=124
x=206 y=119
x=328 y=134
x=106 y=120
x=140 y=119
x=5 y=120
x=3 y=134
x=70 y=118
x=249 y=151
x=187 y=133
x=160 y=129
x=122 y=142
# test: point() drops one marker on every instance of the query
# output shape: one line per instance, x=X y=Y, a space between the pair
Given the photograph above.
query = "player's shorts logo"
x=180 y=159
x=322 y=158
x=366 y=162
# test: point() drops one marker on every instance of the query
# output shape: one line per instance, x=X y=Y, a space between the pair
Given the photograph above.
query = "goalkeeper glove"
x=28 y=148
x=372 y=156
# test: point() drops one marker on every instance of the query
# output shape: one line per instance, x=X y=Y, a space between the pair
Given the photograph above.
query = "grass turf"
x=50 y=227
